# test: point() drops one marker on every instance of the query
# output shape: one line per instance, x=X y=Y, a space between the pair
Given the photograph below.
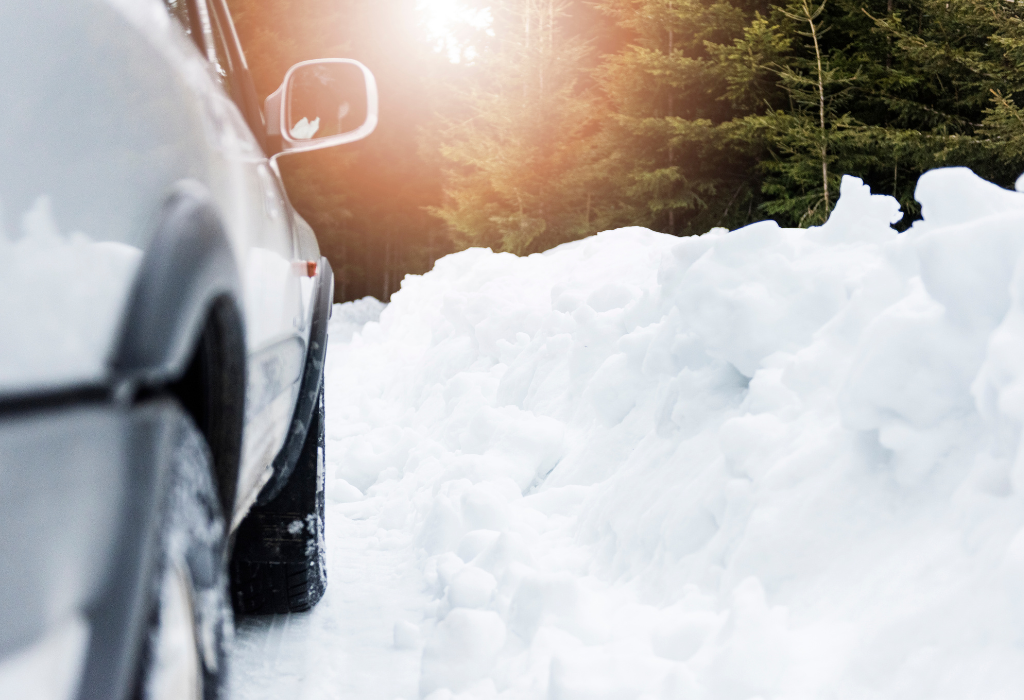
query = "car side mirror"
x=322 y=103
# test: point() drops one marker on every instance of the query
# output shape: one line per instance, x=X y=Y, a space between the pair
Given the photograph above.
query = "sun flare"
x=442 y=20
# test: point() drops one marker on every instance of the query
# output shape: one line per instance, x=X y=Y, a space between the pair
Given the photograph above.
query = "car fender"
x=188 y=264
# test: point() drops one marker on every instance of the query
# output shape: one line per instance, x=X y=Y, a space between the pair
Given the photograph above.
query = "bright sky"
x=442 y=19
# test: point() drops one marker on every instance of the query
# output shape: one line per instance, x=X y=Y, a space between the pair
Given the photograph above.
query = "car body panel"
x=83 y=452
x=258 y=218
x=82 y=187
x=85 y=156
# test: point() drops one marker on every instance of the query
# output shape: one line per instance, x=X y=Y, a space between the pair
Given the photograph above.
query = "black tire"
x=278 y=564
x=191 y=552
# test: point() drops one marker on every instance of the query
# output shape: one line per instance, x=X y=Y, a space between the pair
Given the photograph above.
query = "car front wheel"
x=184 y=653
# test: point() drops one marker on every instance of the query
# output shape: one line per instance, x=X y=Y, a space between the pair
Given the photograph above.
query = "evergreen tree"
x=957 y=75
x=684 y=167
x=813 y=142
x=680 y=115
x=770 y=104
x=523 y=168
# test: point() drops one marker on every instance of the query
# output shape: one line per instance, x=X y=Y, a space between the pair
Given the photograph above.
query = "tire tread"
x=277 y=565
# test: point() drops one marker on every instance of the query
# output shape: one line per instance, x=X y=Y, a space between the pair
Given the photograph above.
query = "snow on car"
x=774 y=463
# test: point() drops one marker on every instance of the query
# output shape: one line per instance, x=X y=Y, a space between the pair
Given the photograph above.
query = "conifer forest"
x=563 y=118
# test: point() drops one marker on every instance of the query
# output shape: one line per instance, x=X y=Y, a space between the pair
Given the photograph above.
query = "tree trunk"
x=386 y=295
x=821 y=102
x=671 y=110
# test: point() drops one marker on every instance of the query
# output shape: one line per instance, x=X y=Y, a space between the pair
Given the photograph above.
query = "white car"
x=163 y=322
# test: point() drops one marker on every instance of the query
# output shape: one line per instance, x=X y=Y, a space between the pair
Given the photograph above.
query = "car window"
x=221 y=58
x=180 y=11
x=230 y=55
x=188 y=18
x=209 y=26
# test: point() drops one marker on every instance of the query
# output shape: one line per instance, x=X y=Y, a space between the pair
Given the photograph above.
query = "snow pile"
x=769 y=463
x=348 y=319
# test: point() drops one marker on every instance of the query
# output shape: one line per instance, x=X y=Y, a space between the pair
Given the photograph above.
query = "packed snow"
x=766 y=463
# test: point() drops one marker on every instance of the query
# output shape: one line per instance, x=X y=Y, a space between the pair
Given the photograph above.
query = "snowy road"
x=772 y=463
x=344 y=649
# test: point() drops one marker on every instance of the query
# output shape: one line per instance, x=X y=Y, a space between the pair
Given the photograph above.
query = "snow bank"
x=769 y=463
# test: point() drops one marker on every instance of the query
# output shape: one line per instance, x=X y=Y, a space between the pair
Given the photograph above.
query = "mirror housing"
x=333 y=97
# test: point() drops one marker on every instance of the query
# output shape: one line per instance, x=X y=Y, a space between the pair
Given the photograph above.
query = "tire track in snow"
x=345 y=647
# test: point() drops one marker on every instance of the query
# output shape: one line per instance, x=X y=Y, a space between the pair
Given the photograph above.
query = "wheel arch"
x=188 y=264
x=184 y=330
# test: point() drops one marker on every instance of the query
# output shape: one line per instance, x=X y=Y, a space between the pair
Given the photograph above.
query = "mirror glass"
x=325 y=99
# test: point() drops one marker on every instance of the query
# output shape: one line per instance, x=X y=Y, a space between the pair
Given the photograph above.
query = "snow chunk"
x=951 y=196
x=407 y=635
x=860 y=215
x=349 y=318
x=463 y=650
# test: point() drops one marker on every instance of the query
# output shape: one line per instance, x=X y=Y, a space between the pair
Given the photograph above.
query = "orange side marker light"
x=305 y=268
